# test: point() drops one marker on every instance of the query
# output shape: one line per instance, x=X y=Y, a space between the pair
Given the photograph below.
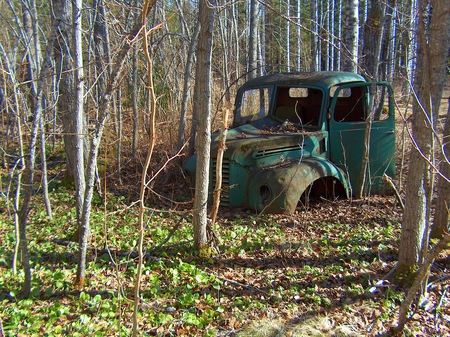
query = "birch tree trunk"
x=263 y=44
x=314 y=34
x=351 y=35
x=77 y=115
x=288 y=36
x=299 y=35
x=203 y=84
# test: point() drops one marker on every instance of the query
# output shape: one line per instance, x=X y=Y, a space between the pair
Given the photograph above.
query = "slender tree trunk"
x=338 y=60
x=288 y=36
x=351 y=35
x=299 y=35
x=65 y=85
x=30 y=160
x=438 y=58
x=119 y=133
x=48 y=206
x=332 y=25
x=104 y=110
x=187 y=82
x=442 y=213
x=32 y=55
x=262 y=43
x=419 y=187
x=35 y=101
x=253 y=39
x=20 y=164
x=224 y=40
x=101 y=44
x=78 y=108
x=203 y=83
x=314 y=36
x=135 y=97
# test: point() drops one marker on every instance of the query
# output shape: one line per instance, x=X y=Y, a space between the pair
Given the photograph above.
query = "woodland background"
x=99 y=106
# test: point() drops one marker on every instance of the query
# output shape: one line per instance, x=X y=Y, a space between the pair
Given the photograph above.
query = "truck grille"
x=225 y=193
x=275 y=151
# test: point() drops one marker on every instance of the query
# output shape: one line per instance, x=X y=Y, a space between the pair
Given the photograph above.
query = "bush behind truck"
x=303 y=133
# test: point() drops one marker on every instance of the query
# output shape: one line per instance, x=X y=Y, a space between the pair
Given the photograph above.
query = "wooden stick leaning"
x=218 y=186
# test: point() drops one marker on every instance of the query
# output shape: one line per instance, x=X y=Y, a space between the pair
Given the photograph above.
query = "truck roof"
x=324 y=79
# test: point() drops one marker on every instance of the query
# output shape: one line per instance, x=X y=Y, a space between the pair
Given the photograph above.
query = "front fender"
x=278 y=189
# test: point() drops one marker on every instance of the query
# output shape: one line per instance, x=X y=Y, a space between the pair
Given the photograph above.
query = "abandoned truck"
x=297 y=134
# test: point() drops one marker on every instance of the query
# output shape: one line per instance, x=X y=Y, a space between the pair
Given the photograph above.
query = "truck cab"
x=296 y=134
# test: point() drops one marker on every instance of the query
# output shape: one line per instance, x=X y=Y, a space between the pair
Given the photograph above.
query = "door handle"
x=390 y=131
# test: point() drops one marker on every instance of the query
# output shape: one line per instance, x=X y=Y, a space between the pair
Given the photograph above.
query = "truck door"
x=348 y=111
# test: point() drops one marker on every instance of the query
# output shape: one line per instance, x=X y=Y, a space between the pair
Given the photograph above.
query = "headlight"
x=265 y=193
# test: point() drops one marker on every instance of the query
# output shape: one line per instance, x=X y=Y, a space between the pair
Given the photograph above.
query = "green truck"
x=302 y=134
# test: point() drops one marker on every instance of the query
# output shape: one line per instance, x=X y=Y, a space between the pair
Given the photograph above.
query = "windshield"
x=254 y=105
x=299 y=105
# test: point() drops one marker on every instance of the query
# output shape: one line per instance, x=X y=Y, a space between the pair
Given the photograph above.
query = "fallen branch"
x=239 y=284
x=389 y=181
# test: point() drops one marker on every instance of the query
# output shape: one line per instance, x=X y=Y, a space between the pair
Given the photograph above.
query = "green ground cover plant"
x=327 y=267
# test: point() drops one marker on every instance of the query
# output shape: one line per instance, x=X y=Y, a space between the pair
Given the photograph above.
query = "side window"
x=382 y=102
x=350 y=105
x=254 y=105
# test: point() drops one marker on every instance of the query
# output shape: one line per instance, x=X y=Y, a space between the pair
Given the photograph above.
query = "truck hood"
x=265 y=133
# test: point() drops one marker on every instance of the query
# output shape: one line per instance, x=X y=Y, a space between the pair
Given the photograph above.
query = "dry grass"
x=309 y=326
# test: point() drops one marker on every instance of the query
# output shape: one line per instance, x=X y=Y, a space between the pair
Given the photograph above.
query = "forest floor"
x=324 y=271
